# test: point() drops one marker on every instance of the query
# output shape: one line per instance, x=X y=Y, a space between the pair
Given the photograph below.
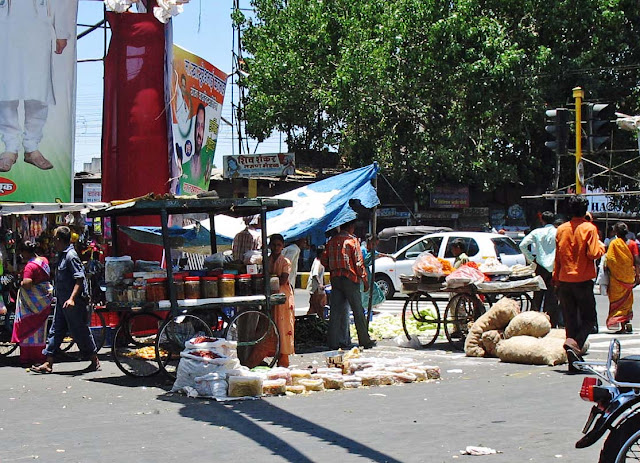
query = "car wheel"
x=386 y=285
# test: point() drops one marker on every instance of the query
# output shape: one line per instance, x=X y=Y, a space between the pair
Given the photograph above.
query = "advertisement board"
x=259 y=165
x=91 y=193
x=450 y=197
x=37 y=99
x=197 y=95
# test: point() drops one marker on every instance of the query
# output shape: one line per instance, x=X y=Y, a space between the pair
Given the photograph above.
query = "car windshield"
x=505 y=246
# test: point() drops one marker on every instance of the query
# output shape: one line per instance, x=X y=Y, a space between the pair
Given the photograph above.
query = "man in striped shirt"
x=343 y=259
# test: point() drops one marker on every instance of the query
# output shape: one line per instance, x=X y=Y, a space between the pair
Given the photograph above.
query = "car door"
x=507 y=251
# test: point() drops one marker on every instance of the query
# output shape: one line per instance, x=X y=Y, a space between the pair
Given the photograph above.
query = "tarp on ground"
x=317 y=207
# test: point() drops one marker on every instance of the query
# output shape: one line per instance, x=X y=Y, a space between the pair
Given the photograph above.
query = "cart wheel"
x=462 y=310
x=421 y=319
x=253 y=329
x=133 y=346
x=171 y=338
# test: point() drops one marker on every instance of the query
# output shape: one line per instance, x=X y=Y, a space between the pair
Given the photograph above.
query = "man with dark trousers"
x=71 y=314
x=578 y=246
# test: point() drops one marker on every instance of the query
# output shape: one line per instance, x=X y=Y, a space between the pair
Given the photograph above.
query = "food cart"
x=422 y=319
x=151 y=334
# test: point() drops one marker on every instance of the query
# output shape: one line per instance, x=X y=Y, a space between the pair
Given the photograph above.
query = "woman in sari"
x=622 y=276
x=33 y=306
x=283 y=314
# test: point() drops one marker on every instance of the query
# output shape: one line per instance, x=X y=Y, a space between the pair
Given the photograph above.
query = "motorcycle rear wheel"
x=623 y=443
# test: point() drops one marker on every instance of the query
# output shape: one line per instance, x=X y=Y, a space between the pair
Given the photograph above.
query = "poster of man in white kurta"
x=37 y=90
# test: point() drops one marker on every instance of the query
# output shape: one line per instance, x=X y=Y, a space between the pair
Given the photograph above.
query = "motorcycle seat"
x=629 y=369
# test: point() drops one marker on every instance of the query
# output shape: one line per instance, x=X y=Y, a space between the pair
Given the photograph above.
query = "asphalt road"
x=529 y=413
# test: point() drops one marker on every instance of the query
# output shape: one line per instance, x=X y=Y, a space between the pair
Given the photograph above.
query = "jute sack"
x=490 y=340
x=529 y=323
x=532 y=351
x=496 y=318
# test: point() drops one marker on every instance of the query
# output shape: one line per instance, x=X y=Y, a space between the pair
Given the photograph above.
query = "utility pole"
x=578 y=95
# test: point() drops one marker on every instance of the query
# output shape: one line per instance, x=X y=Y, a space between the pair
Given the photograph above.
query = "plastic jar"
x=178 y=284
x=156 y=289
x=209 y=287
x=274 y=284
x=243 y=285
x=257 y=281
x=227 y=285
x=192 y=288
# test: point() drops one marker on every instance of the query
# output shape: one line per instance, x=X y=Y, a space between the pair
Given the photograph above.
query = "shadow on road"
x=247 y=418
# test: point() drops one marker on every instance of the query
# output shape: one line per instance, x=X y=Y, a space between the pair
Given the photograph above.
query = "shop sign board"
x=197 y=88
x=91 y=193
x=259 y=165
x=446 y=197
x=37 y=99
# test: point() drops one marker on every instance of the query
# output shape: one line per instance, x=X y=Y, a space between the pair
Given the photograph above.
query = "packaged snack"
x=245 y=386
x=297 y=375
x=274 y=386
x=297 y=389
x=333 y=382
x=312 y=384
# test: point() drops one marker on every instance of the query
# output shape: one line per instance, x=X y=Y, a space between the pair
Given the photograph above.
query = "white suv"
x=480 y=246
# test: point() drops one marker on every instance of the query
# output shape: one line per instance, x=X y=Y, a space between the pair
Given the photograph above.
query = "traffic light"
x=558 y=129
x=598 y=118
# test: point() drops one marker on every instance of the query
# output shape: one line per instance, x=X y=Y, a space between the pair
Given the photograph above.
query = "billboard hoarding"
x=259 y=165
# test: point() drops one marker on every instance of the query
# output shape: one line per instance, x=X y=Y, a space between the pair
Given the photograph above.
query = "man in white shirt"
x=29 y=31
x=292 y=252
x=543 y=244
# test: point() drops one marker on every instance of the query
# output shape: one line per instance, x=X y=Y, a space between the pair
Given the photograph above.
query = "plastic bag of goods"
x=368 y=378
x=245 y=386
x=211 y=385
x=404 y=377
x=219 y=346
x=426 y=264
x=116 y=267
x=333 y=381
x=193 y=366
x=493 y=265
x=420 y=374
x=148 y=266
x=312 y=384
x=280 y=373
x=296 y=389
x=352 y=381
x=463 y=276
x=329 y=371
x=274 y=386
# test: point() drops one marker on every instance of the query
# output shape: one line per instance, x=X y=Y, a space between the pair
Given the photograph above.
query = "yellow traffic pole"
x=578 y=95
x=253 y=188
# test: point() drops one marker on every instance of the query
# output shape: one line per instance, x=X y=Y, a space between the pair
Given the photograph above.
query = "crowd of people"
x=566 y=257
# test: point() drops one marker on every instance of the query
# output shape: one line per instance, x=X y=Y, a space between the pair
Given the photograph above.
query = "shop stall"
x=161 y=308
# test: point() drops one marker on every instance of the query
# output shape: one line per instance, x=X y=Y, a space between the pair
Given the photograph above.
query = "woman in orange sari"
x=622 y=276
x=283 y=314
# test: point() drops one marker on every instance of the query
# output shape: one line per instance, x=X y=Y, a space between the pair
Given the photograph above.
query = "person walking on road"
x=542 y=243
x=577 y=248
x=292 y=252
x=71 y=315
x=343 y=259
x=315 y=286
x=622 y=266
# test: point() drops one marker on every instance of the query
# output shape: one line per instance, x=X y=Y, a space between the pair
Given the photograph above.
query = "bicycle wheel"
x=460 y=313
x=421 y=319
x=171 y=338
x=133 y=346
x=6 y=346
x=257 y=337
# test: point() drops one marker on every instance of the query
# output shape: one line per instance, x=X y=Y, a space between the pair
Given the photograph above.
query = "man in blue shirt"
x=542 y=243
x=71 y=314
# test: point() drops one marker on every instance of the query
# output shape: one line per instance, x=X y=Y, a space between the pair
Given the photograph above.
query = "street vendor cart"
x=151 y=333
x=422 y=318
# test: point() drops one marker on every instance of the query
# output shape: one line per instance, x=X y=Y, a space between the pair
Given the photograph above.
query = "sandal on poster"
x=7 y=160
x=37 y=159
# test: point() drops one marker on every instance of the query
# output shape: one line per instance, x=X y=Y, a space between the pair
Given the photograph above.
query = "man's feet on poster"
x=35 y=158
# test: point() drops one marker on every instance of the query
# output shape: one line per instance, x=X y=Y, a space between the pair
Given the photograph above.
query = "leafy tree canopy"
x=437 y=92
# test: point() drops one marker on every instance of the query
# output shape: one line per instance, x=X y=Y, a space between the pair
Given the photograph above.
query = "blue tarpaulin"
x=317 y=207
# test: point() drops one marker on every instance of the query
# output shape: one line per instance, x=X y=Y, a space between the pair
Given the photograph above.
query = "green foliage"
x=437 y=92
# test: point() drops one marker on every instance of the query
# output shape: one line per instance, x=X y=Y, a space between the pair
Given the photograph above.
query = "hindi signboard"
x=198 y=92
x=37 y=99
x=450 y=197
x=259 y=165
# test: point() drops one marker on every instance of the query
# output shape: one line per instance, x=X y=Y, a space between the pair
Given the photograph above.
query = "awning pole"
x=374 y=234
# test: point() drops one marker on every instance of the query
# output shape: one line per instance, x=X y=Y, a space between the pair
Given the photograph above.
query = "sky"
x=204 y=29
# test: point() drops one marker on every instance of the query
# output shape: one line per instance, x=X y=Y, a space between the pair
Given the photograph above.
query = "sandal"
x=92 y=367
x=37 y=159
x=42 y=369
x=7 y=160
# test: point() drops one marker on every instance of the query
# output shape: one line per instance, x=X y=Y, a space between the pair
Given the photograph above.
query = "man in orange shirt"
x=577 y=247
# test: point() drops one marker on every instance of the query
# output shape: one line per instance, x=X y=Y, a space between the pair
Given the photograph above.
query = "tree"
x=437 y=92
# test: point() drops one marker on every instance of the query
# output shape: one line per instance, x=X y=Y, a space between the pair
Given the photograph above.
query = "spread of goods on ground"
x=209 y=367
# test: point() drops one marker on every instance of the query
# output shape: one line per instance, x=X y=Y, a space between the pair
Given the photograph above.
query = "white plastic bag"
x=191 y=367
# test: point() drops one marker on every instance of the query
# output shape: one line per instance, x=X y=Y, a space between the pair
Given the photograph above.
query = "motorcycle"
x=616 y=393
